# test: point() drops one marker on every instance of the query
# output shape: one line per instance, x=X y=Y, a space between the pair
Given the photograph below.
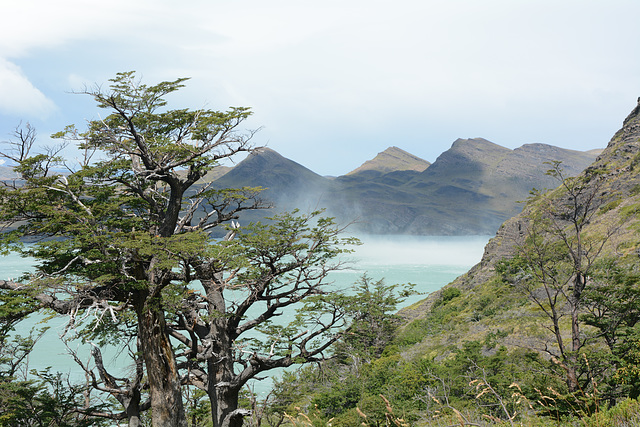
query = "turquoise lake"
x=428 y=262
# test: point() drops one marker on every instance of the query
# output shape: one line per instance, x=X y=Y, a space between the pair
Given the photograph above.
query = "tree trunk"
x=131 y=405
x=579 y=283
x=164 y=383
x=572 y=377
x=130 y=397
x=224 y=408
x=134 y=421
x=223 y=395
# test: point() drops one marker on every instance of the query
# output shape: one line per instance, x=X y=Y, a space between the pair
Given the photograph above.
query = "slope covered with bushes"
x=543 y=331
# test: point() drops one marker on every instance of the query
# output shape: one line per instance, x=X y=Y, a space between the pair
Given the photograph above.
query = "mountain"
x=287 y=184
x=470 y=189
x=391 y=160
x=455 y=195
x=277 y=174
x=467 y=156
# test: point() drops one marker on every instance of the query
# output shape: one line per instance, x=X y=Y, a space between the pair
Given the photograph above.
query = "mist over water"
x=426 y=261
x=463 y=251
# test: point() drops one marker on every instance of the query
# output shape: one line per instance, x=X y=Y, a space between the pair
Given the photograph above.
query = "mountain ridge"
x=470 y=188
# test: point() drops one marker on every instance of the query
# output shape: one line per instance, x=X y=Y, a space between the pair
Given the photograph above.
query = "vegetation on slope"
x=543 y=331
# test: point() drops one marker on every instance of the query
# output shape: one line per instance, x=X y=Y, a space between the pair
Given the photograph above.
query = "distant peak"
x=476 y=148
x=394 y=149
x=264 y=150
x=473 y=142
x=265 y=153
x=393 y=159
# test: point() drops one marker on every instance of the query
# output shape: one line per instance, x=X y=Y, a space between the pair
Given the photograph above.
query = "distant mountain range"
x=470 y=189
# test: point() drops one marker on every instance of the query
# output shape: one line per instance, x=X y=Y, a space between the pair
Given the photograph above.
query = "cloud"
x=18 y=96
x=371 y=73
x=38 y=24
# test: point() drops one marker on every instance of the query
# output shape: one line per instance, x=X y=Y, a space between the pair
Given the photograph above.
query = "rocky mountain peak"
x=470 y=154
x=268 y=168
x=393 y=159
x=624 y=147
x=476 y=144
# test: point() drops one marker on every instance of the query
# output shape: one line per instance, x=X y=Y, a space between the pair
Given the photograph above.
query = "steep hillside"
x=487 y=304
x=618 y=165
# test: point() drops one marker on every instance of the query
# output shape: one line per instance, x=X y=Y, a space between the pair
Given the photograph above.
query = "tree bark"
x=223 y=395
x=224 y=407
x=164 y=383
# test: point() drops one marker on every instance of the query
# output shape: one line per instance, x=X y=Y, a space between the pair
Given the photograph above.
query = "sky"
x=333 y=83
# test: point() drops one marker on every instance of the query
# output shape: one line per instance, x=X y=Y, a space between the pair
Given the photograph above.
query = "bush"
x=625 y=413
x=447 y=295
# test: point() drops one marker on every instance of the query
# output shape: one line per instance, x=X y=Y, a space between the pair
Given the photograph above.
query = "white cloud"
x=18 y=96
x=326 y=71
x=37 y=24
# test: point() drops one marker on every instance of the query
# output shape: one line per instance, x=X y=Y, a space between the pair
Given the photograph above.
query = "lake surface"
x=428 y=262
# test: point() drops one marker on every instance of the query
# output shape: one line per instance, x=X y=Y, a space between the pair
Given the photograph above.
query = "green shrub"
x=610 y=206
x=625 y=413
x=447 y=295
x=413 y=333
x=630 y=211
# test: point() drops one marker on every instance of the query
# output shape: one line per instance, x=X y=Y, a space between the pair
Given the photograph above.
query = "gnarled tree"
x=127 y=234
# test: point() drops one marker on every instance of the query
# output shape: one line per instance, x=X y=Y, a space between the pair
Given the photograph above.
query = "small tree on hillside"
x=127 y=237
x=556 y=259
